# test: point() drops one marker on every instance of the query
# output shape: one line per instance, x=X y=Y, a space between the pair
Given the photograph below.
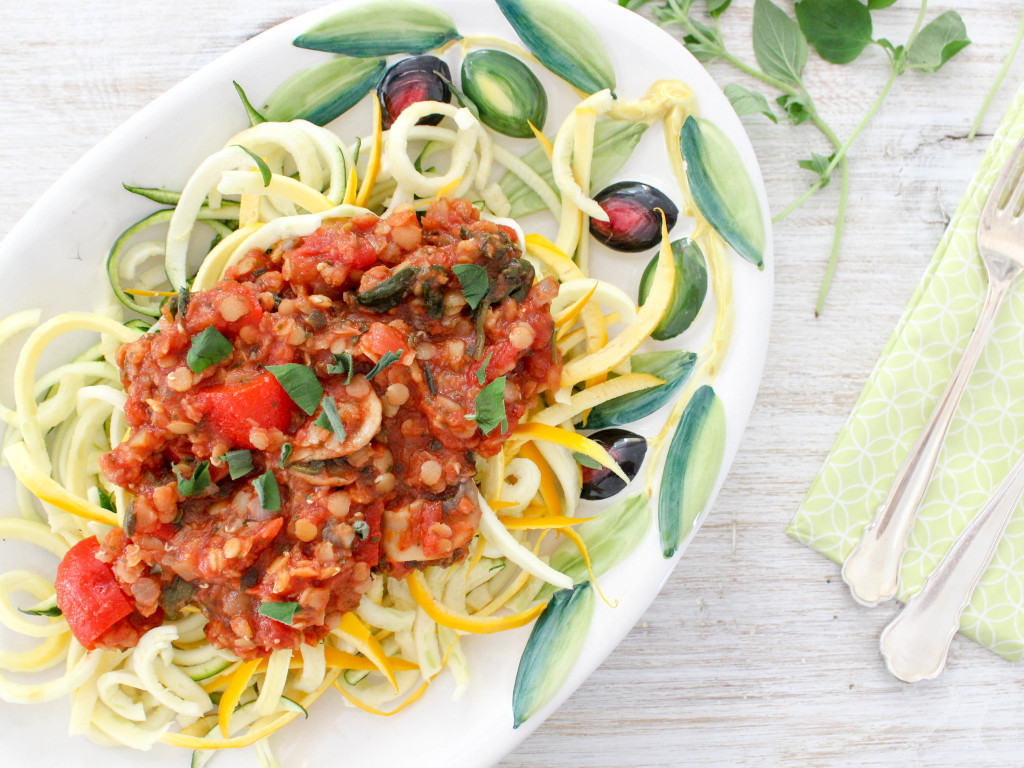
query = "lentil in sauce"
x=391 y=492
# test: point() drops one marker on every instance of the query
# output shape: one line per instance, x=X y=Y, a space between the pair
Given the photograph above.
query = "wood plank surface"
x=753 y=654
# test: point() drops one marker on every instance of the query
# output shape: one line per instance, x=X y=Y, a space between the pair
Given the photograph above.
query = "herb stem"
x=837 y=236
x=999 y=79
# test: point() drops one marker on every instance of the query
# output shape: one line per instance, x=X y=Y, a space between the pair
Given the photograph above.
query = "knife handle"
x=916 y=642
x=872 y=569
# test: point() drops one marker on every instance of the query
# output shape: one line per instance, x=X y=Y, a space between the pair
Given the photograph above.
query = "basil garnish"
x=300 y=383
x=429 y=375
x=343 y=366
x=239 y=463
x=384 y=362
x=207 y=348
x=268 y=492
x=193 y=486
x=490 y=407
x=362 y=528
x=481 y=374
x=282 y=612
x=286 y=452
x=474 y=282
x=329 y=418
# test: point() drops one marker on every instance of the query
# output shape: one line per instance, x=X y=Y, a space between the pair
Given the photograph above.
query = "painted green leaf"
x=839 y=30
x=779 y=45
x=614 y=142
x=722 y=188
x=674 y=366
x=551 y=651
x=563 y=40
x=692 y=464
x=688 y=290
x=508 y=96
x=381 y=28
x=323 y=92
x=610 y=539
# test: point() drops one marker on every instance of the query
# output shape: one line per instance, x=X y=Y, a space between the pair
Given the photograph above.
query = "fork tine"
x=1013 y=206
x=999 y=189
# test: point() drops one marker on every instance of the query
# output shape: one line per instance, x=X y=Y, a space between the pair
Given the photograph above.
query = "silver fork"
x=872 y=568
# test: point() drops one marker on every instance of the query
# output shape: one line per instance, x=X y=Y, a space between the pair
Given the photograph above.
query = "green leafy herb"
x=329 y=418
x=239 y=463
x=106 y=500
x=178 y=305
x=839 y=30
x=490 y=407
x=585 y=461
x=938 y=42
x=47 y=608
x=747 y=102
x=474 y=282
x=260 y=163
x=255 y=118
x=207 y=348
x=481 y=374
x=388 y=359
x=362 y=528
x=268 y=492
x=429 y=376
x=301 y=384
x=343 y=366
x=193 y=486
x=282 y=612
x=286 y=452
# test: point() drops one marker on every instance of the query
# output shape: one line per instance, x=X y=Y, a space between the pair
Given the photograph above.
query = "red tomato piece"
x=234 y=409
x=88 y=594
x=368 y=550
x=227 y=299
x=381 y=339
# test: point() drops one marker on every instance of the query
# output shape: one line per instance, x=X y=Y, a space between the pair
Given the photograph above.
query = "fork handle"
x=872 y=569
x=915 y=644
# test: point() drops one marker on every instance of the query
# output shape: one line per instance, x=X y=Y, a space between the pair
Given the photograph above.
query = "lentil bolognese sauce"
x=377 y=475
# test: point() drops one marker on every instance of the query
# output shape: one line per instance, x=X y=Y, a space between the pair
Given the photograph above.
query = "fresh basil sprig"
x=839 y=31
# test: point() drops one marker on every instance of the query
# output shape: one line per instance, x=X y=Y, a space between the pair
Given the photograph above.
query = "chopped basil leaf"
x=329 y=418
x=474 y=282
x=106 y=500
x=490 y=407
x=239 y=463
x=384 y=362
x=481 y=374
x=286 y=452
x=193 y=486
x=178 y=305
x=343 y=366
x=208 y=348
x=260 y=163
x=429 y=375
x=300 y=383
x=583 y=460
x=268 y=492
x=282 y=612
x=362 y=528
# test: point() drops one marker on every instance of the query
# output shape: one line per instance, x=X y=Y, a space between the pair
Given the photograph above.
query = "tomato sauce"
x=392 y=491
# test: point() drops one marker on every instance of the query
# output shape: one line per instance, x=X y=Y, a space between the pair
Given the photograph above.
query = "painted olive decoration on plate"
x=627 y=448
x=418 y=78
x=634 y=223
x=508 y=96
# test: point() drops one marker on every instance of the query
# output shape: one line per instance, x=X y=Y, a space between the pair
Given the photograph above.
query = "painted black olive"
x=419 y=78
x=627 y=448
x=634 y=223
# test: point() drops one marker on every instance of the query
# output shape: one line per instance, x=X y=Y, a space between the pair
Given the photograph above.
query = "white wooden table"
x=753 y=654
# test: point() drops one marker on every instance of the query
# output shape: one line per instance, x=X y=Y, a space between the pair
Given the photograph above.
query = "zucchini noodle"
x=175 y=687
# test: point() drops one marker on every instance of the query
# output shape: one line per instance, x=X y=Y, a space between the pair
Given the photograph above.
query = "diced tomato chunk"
x=88 y=594
x=228 y=306
x=382 y=338
x=234 y=409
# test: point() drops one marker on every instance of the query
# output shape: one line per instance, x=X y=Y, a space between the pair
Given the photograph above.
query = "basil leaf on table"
x=839 y=30
x=940 y=40
x=779 y=45
x=747 y=102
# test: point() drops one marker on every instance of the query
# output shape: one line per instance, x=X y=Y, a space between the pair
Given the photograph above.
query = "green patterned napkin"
x=986 y=436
